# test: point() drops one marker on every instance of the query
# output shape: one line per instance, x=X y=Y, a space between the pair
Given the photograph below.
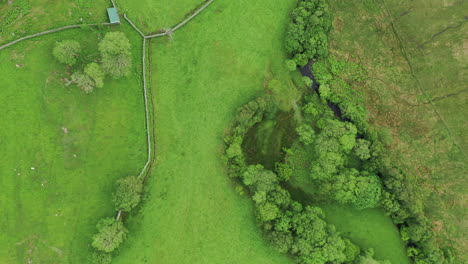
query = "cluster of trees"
x=336 y=78
x=115 y=60
x=306 y=37
x=112 y=231
x=328 y=154
x=290 y=227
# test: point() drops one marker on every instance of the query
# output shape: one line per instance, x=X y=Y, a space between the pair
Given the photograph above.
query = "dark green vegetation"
x=62 y=150
x=414 y=55
x=306 y=38
x=340 y=159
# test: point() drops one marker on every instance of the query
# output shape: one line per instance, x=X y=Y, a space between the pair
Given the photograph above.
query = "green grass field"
x=407 y=48
x=23 y=17
x=212 y=66
x=78 y=145
x=369 y=228
x=151 y=16
x=62 y=150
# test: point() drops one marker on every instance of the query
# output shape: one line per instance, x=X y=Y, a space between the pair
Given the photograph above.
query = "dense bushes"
x=306 y=37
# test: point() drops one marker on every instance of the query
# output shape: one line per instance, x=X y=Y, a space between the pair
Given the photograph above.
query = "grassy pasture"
x=212 y=66
x=78 y=145
x=413 y=51
x=369 y=228
x=151 y=16
x=24 y=17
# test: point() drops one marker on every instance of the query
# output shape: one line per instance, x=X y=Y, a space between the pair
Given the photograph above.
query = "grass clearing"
x=423 y=49
x=369 y=228
x=216 y=63
x=62 y=150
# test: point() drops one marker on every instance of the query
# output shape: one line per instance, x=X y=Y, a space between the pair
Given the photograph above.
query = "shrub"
x=111 y=234
x=83 y=81
x=94 y=71
x=115 y=53
x=127 y=193
x=67 y=51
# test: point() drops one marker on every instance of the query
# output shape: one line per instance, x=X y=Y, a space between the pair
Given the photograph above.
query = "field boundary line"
x=51 y=31
x=170 y=30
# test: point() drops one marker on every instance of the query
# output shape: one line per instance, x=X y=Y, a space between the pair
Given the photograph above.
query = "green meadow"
x=62 y=150
x=191 y=213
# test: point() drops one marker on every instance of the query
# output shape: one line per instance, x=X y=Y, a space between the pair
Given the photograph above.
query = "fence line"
x=171 y=30
x=181 y=24
x=133 y=25
x=51 y=31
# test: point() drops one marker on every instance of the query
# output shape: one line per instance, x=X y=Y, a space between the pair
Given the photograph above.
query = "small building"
x=113 y=15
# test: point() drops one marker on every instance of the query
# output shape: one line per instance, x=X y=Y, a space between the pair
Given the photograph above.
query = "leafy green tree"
x=362 y=149
x=117 y=66
x=94 y=71
x=83 y=81
x=361 y=191
x=111 y=234
x=307 y=81
x=306 y=37
x=116 y=54
x=291 y=65
x=127 y=193
x=306 y=134
x=66 y=51
x=351 y=250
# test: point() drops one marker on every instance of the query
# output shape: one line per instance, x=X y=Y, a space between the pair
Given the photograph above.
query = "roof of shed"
x=113 y=16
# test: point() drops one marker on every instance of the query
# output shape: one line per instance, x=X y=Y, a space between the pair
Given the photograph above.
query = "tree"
x=66 y=51
x=83 y=81
x=94 y=71
x=306 y=37
x=362 y=149
x=111 y=234
x=361 y=190
x=99 y=257
x=115 y=53
x=117 y=65
x=127 y=193
x=306 y=134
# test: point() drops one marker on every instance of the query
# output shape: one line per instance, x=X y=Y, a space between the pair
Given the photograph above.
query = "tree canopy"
x=116 y=54
x=127 y=193
x=66 y=51
x=111 y=234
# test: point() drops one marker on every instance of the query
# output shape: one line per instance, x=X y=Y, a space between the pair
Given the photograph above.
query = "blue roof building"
x=113 y=15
